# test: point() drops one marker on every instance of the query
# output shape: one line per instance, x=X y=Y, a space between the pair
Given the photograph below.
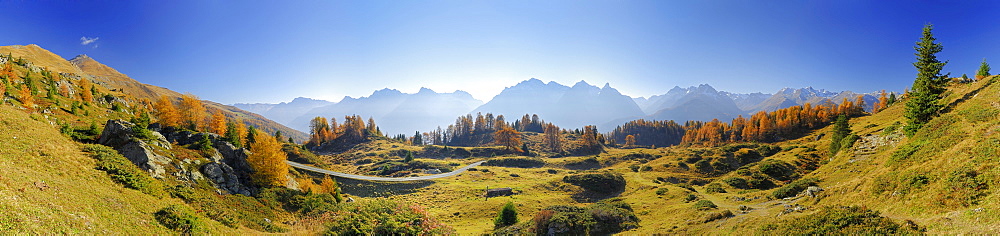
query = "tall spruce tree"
x=841 y=129
x=929 y=85
x=984 y=70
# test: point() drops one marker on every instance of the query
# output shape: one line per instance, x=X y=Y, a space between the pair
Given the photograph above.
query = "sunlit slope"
x=49 y=186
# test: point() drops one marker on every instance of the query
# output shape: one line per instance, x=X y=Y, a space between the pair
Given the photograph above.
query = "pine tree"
x=929 y=85
x=984 y=70
x=507 y=216
x=841 y=129
x=268 y=162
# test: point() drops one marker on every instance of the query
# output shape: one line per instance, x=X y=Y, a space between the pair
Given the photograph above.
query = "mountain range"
x=567 y=106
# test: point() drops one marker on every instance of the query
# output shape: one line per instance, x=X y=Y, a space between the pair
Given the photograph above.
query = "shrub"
x=777 y=169
x=737 y=182
x=841 y=220
x=123 y=171
x=519 y=162
x=180 y=219
x=704 y=205
x=602 y=218
x=605 y=182
x=703 y=166
x=662 y=191
x=507 y=216
x=790 y=190
x=717 y=215
x=715 y=188
x=690 y=197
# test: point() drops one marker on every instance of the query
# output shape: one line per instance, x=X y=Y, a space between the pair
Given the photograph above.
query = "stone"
x=224 y=178
x=497 y=192
x=432 y=171
x=118 y=135
x=812 y=191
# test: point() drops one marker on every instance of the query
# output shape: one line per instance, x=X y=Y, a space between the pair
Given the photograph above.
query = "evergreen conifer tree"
x=984 y=70
x=929 y=85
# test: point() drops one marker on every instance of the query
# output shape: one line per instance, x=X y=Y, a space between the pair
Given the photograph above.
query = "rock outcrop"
x=119 y=135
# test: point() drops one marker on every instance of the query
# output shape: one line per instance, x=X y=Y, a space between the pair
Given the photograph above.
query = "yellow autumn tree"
x=166 y=113
x=192 y=112
x=509 y=138
x=630 y=140
x=218 y=124
x=24 y=95
x=267 y=161
x=64 y=90
x=85 y=93
x=3 y=89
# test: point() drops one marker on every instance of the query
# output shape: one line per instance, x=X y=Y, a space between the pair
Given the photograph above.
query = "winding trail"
x=388 y=179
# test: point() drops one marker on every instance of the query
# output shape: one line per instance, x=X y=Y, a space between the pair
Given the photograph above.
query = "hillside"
x=120 y=85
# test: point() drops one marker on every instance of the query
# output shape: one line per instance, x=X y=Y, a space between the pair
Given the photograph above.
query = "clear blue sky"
x=272 y=51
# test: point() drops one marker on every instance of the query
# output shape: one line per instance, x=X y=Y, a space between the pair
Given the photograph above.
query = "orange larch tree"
x=166 y=113
x=509 y=138
x=192 y=112
x=218 y=124
x=85 y=90
x=267 y=161
x=24 y=95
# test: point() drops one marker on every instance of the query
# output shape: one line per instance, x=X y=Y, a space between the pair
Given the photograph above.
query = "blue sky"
x=272 y=51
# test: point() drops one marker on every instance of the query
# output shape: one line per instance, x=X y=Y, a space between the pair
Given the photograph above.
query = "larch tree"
x=984 y=70
x=24 y=95
x=218 y=124
x=509 y=138
x=923 y=104
x=553 y=138
x=629 y=140
x=236 y=133
x=86 y=90
x=64 y=90
x=166 y=113
x=267 y=161
x=331 y=187
x=192 y=112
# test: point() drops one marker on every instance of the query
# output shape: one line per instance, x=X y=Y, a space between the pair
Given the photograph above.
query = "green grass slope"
x=49 y=186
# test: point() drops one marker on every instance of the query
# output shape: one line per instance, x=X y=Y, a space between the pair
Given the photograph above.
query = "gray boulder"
x=118 y=135
x=225 y=178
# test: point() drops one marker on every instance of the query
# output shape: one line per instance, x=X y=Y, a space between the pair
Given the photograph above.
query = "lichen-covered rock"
x=224 y=178
x=118 y=135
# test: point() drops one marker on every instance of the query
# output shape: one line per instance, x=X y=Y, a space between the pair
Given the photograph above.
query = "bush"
x=717 y=215
x=506 y=217
x=794 y=188
x=518 y=162
x=661 y=191
x=602 y=218
x=841 y=220
x=123 y=171
x=180 y=219
x=384 y=217
x=690 y=197
x=777 y=169
x=704 y=205
x=737 y=182
x=605 y=182
x=714 y=188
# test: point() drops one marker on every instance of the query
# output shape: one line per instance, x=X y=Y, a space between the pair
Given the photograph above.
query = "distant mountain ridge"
x=567 y=106
x=395 y=112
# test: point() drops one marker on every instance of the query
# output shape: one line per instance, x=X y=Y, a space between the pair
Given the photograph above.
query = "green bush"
x=704 y=205
x=124 y=171
x=605 y=182
x=518 y=162
x=507 y=216
x=690 y=197
x=791 y=189
x=737 y=182
x=180 y=219
x=841 y=220
x=661 y=191
x=605 y=217
x=777 y=169
x=714 y=188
